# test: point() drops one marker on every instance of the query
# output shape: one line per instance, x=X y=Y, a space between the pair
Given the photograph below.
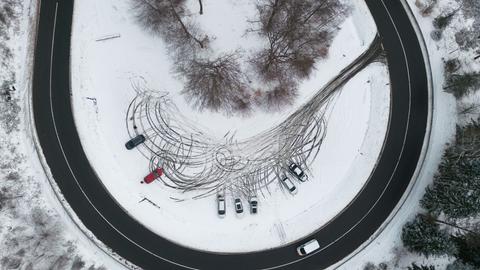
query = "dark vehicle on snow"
x=135 y=141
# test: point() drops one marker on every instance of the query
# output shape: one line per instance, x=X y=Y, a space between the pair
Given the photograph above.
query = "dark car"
x=253 y=205
x=153 y=175
x=135 y=141
x=298 y=172
x=238 y=206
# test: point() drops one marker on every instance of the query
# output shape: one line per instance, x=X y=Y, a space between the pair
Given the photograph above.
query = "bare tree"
x=298 y=34
x=281 y=95
x=163 y=16
x=216 y=84
x=154 y=15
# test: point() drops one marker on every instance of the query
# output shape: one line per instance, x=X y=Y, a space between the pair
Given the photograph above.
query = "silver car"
x=288 y=184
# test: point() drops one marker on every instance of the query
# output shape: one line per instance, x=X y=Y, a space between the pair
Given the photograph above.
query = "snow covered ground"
x=102 y=76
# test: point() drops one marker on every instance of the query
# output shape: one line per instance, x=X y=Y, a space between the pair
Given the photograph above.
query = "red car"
x=152 y=176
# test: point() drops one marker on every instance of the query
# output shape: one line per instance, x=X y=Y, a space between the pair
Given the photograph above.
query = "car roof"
x=311 y=246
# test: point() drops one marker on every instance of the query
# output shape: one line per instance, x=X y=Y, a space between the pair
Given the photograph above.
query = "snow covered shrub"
x=451 y=65
x=471 y=8
x=436 y=34
x=425 y=237
x=462 y=84
x=467 y=38
x=442 y=21
x=371 y=266
x=425 y=6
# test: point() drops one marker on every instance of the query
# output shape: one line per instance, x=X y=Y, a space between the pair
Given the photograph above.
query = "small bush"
x=462 y=84
x=442 y=21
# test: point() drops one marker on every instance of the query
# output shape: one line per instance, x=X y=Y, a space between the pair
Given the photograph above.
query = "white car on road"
x=308 y=247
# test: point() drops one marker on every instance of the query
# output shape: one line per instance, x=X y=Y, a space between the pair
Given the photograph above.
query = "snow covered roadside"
x=387 y=247
x=102 y=73
x=35 y=231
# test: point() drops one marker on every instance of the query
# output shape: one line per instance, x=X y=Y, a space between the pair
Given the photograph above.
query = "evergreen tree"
x=458 y=265
x=425 y=237
x=456 y=187
x=422 y=267
x=469 y=248
x=461 y=84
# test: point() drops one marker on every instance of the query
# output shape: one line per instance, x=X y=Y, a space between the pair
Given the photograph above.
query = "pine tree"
x=461 y=84
x=456 y=188
x=422 y=267
x=469 y=248
x=425 y=237
x=458 y=265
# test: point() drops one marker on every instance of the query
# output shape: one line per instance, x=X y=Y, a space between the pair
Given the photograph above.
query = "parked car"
x=308 y=247
x=298 y=172
x=253 y=205
x=153 y=175
x=238 y=206
x=288 y=184
x=135 y=141
x=221 y=205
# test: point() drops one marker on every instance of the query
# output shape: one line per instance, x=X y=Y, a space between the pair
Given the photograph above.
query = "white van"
x=308 y=247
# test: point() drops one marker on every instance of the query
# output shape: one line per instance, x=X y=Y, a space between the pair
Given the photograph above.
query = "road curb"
x=425 y=147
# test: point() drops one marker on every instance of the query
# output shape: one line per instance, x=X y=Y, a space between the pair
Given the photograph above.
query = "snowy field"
x=102 y=76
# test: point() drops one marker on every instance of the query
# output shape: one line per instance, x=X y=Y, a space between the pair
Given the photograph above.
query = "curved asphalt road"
x=98 y=211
